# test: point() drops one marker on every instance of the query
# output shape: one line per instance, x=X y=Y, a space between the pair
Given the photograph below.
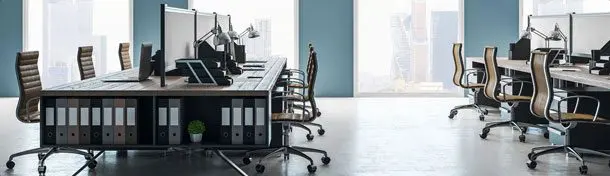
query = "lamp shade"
x=222 y=39
x=555 y=35
x=233 y=35
x=253 y=34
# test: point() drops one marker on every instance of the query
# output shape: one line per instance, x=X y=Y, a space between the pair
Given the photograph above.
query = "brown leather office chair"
x=289 y=119
x=541 y=107
x=85 y=62
x=124 y=57
x=492 y=90
x=461 y=79
x=30 y=87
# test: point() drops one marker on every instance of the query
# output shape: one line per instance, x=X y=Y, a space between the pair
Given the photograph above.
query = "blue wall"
x=329 y=25
x=490 y=23
x=11 y=42
x=146 y=23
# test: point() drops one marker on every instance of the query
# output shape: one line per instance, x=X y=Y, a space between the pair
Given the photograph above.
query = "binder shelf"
x=97 y=115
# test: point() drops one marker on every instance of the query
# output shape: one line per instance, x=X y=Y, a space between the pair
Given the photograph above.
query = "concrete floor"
x=367 y=136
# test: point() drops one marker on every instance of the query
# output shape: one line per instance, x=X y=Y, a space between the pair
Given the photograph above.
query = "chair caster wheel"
x=92 y=164
x=484 y=133
x=309 y=137
x=524 y=129
x=10 y=164
x=485 y=111
x=319 y=114
x=531 y=164
x=531 y=156
x=522 y=138
x=452 y=114
x=482 y=117
x=246 y=160
x=321 y=132
x=546 y=135
x=325 y=160
x=260 y=168
x=312 y=168
x=583 y=170
x=42 y=170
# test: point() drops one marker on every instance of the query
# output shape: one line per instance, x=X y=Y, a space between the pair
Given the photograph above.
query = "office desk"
x=598 y=86
x=143 y=115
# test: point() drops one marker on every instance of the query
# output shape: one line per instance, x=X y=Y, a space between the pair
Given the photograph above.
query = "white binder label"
x=249 y=119
x=131 y=116
x=96 y=118
x=260 y=116
x=237 y=116
x=84 y=116
x=174 y=117
x=61 y=116
x=162 y=116
x=50 y=116
x=226 y=117
x=107 y=116
x=73 y=115
x=119 y=116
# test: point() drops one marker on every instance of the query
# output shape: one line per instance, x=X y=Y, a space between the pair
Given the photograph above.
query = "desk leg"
x=231 y=163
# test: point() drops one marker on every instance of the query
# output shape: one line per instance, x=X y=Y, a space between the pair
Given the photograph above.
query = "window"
x=276 y=24
x=404 y=46
x=57 y=28
x=556 y=7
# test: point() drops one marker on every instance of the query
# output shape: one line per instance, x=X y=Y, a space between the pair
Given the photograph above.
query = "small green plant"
x=196 y=127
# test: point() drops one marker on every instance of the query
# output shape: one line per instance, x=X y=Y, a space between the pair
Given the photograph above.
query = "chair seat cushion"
x=577 y=117
x=508 y=97
x=288 y=117
x=33 y=118
x=297 y=85
x=473 y=85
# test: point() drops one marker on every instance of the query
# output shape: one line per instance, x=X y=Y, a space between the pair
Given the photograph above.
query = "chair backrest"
x=311 y=80
x=492 y=75
x=26 y=68
x=543 y=86
x=124 y=57
x=458 y=73
x=85 y=62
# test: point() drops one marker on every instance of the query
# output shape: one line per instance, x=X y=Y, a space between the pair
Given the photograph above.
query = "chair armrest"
x=27 y=107
x=473 y=72
x=513 y=82
x=290 y=81
x=578 y=97
x=293 y=71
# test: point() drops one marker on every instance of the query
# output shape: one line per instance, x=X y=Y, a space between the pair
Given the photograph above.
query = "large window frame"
x=356 y=91
x=26 y=45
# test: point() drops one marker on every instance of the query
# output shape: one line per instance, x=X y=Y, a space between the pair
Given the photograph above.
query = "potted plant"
x=196 y=129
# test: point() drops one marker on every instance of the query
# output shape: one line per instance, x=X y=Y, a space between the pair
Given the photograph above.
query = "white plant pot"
x=196 y=138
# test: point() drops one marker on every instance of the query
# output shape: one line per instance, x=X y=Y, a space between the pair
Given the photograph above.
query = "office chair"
x=494 y=92
x=541 y=107
x=30 y=88
x=298 y=82
x=291 y=93
x=289 y=119
x=461 y=79
x=85 y=62
x=124 y=58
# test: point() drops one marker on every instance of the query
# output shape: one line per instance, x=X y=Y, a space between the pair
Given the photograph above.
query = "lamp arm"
x=539 y=34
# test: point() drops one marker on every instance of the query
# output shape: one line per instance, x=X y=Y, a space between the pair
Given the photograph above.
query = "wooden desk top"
x=581 y=76
x=175 y=85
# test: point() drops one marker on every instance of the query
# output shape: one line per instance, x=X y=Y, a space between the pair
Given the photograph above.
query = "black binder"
x=85 y=119
x=175 y=121
x=162 y=122
x=49 y=128
x=131 y=129
x=249 y=106
x=261 y=129
x=96 y=121
x=225 y=124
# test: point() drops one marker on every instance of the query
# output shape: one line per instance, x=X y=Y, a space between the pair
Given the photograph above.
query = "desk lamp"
x=558 y=35
x=231 y=32
x=220 y=38
x=251 y=33
x=530 y=30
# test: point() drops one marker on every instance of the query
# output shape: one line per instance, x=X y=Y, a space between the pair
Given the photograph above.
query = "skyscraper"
x=401 y=65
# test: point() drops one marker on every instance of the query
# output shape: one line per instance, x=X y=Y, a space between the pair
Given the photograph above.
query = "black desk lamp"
x=220 y=38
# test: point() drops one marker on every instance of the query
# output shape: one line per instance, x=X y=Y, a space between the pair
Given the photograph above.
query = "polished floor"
x=366 y=136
